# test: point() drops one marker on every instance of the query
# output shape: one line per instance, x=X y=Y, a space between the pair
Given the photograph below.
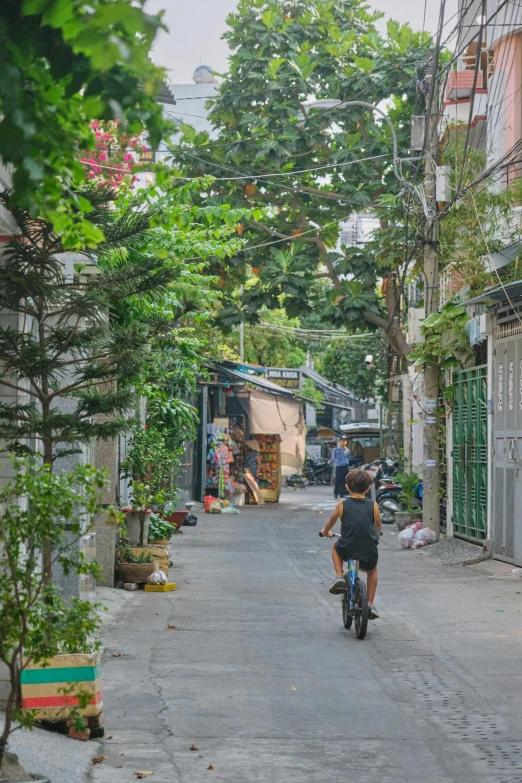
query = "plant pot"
x=132 y=523
x=42 y=686
x=177 y=518
x=136 y=572
x=160 y=555
x=405 y=518
x=159 y=542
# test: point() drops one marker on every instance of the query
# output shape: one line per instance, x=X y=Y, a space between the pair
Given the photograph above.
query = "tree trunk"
x=142 y=527
x=394 y=333
x=48 y=547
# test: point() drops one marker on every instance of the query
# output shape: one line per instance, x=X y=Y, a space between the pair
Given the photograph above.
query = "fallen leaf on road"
x=140 y=775
x=210 y=766
x=117 y=655
x=193 y=747
x=173 y=627
x=98 y=759
x=293 y=688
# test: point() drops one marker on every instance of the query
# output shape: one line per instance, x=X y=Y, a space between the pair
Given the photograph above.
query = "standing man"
x=340 y=459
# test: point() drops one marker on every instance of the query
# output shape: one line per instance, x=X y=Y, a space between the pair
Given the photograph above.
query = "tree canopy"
x=309 y=170
x=64 y=63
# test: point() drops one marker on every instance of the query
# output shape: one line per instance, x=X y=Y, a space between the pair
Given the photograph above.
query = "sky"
x=196 y=27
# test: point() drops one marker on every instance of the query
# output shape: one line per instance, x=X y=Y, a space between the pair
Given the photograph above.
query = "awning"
x=499 y=294
x=244 y=377
x=326 y=385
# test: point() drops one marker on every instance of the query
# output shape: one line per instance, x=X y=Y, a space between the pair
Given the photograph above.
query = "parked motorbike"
x=388 y=493
x=390 y=500
x=318 y=471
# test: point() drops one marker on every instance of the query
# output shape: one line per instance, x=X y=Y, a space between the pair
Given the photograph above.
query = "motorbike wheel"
x=388 y=508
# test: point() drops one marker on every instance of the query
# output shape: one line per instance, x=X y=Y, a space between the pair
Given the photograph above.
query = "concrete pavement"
x=260 y=676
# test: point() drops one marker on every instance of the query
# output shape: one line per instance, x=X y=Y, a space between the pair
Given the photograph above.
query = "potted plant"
x=42 y=633
x=135 y=566
x=160 y=530
x=149 y=466
x=409 y=481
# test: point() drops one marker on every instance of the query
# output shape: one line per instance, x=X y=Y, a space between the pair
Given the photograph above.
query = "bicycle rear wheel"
x=361 y=609
x=347 y=615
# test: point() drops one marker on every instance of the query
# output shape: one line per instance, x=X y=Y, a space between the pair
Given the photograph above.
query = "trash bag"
x=230 y=510
x=191 y=520
x=209 y=499
x=157 y=577
x=215 y=506
x=415 y=526
x=406 y=537
x=425 y=535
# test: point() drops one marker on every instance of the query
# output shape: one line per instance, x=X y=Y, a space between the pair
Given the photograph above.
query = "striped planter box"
x=43 y=686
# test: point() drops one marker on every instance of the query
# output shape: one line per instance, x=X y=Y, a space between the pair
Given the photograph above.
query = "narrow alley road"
x=260 y=676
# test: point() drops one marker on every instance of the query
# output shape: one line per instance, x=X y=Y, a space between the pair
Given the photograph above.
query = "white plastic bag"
x=425 y=535
x=406 y=537
x=157 y=577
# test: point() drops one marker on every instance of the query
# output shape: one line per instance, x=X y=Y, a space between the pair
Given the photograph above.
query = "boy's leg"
x=339 y=582
x=338 y=562
x=371 y=585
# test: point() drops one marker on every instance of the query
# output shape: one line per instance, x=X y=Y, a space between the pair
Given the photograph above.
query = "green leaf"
x=269 y=18
x=275 y=64
x=364 y=63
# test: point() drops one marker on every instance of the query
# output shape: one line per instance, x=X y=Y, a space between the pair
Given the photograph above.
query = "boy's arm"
x=331 y=522
x=377 y=518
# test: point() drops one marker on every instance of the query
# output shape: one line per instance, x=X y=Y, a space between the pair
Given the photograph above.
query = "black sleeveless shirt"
x=358 y=534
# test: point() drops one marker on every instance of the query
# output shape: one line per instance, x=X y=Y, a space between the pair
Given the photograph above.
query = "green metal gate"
x=470 y=453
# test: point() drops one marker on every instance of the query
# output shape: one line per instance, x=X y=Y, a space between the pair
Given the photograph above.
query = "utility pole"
x=241 y=332
x=431 y=468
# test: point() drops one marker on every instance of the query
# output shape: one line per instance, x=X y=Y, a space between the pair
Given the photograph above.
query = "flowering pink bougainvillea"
x=114 y=157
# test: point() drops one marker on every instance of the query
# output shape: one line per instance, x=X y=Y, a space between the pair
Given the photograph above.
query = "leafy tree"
x=267 y=347
x=308 y=169
x=64 y=63
x=187 y=237
x=76 y=355
x=36 y=622
x=150 y=466
x=343 y=363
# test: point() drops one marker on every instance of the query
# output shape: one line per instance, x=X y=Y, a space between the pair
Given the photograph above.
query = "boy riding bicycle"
x=361 y=527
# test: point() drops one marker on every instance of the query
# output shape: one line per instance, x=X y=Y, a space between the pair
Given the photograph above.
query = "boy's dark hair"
x=358 y=481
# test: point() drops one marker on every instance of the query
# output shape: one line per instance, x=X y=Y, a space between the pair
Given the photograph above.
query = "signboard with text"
x=285 y=377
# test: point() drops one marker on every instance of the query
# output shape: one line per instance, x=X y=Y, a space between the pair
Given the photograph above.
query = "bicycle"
x=355 y=598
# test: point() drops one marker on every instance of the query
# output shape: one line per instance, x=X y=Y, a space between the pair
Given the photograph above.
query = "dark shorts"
x=364 y=565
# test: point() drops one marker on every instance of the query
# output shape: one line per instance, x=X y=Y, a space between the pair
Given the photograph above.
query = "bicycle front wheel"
x=361 y=610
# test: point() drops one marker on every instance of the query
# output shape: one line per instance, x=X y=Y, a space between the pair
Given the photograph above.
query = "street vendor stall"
x=269 y=476
x=225 y=460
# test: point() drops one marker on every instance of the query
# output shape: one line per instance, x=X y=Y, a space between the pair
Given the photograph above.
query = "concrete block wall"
x=105 y=455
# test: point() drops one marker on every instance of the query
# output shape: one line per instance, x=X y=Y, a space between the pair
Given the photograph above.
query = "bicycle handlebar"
x=334 y=535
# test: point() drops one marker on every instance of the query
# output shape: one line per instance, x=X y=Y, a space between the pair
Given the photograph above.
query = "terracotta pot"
x=136 y=572
x=177 y=518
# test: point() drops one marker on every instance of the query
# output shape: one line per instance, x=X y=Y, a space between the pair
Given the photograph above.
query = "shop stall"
x=269 y=475
x=225 y=459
